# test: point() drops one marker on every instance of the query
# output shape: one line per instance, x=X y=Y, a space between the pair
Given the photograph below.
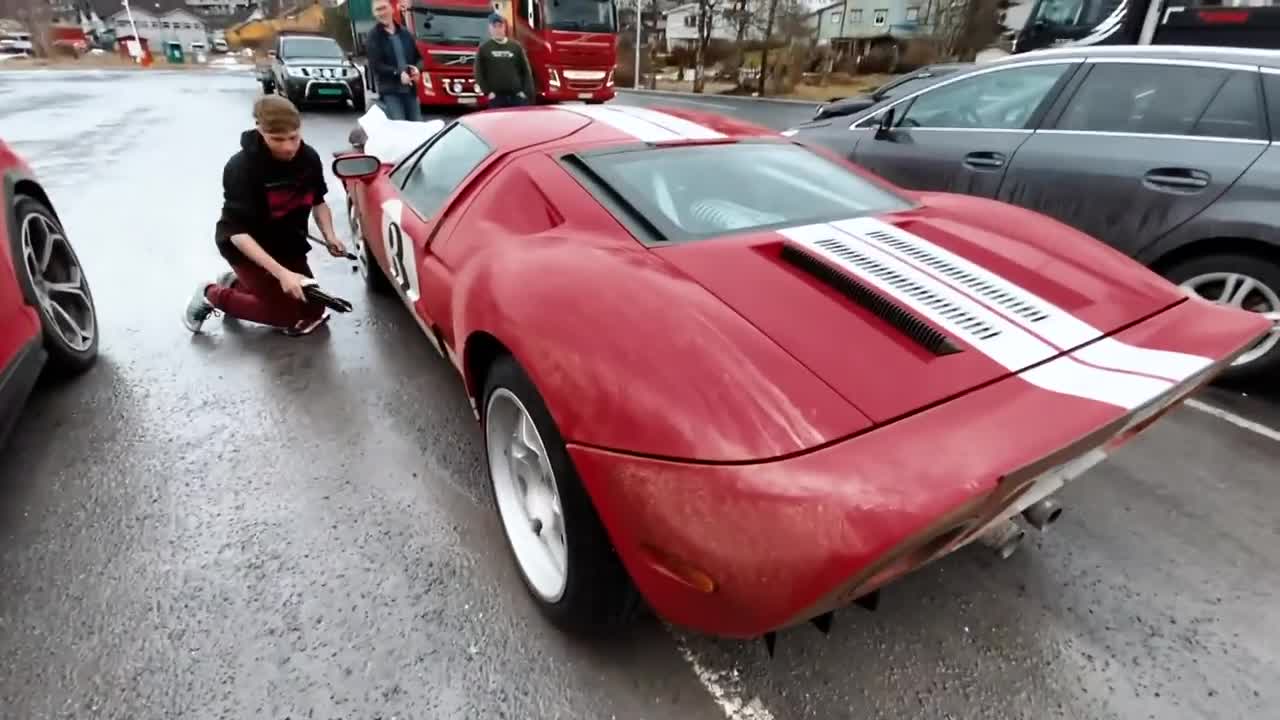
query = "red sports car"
x=47 y=316
x=745 y=378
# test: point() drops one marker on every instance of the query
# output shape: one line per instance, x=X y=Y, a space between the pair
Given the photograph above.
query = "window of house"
x=913 y=14
x=835 y=17
x=855 y=16
x=880 y=18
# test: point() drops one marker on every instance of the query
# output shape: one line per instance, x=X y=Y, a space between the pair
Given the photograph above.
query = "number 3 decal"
x=399 y=248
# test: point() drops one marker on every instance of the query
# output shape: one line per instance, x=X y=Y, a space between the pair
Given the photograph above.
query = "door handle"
x=984 y=159
x=1177 y=178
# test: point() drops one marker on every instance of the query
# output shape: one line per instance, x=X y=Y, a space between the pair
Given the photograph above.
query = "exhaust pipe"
x=1043 y=513
x=1004 y=539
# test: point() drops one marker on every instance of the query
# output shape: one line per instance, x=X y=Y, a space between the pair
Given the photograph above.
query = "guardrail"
x=724 y=98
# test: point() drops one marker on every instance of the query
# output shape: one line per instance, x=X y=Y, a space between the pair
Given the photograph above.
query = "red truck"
x=572 y=46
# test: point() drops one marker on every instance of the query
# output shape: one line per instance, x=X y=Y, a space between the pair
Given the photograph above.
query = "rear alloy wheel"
x=560 y=547
x=56 y=281
x=1243 y=282
x=374 y=279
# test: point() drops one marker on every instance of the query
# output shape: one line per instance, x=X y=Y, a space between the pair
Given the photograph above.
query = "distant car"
x=905 y=83
x=755 y=401
x=1168 y=154
x=48 y=321
x=312 y=69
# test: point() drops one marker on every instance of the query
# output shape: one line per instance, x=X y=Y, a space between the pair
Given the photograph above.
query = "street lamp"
x=635 y=76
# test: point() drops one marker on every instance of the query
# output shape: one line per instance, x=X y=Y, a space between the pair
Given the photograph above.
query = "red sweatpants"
x=257 y=297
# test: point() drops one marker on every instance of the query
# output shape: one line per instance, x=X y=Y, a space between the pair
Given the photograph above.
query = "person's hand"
x=491 y=96
x=291 y=283
x=336 y=248
x=405 y=78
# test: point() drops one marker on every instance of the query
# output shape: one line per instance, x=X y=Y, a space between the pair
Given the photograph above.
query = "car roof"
x=575 y=125
x=1203 y=53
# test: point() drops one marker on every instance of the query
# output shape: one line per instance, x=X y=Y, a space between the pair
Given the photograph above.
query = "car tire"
x=375 y=280
x=593 y=591
x=1212 y=275
x=359 y=104
x=68 y=316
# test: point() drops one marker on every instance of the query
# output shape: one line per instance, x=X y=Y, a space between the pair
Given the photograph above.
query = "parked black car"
x=1169 y=154
x=907 y=82
x=312 y=69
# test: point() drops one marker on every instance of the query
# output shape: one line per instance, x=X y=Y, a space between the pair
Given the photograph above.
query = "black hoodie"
x=269 y=199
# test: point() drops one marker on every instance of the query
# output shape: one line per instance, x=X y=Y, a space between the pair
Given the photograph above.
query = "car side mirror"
x=356 y=167
x=884 y=125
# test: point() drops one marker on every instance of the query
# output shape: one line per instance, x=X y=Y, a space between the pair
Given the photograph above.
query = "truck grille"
x=452 y=59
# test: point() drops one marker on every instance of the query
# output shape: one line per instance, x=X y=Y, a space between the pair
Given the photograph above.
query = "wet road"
x=246 y=525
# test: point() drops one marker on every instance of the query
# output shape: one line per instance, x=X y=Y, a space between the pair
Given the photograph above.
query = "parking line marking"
x=722 y=686
x=1240 y=422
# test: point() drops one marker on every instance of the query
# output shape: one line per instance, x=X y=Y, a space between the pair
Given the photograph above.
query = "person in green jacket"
x=502 y=68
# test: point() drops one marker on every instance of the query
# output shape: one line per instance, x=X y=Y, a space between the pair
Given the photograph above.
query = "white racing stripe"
x=1059 y=327
x=1004 y=341
x=687 y=128
x=644 y=124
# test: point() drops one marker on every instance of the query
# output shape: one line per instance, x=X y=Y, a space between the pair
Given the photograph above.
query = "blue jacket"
x=382 y=57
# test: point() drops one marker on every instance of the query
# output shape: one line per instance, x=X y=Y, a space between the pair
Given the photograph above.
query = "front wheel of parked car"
x=51 y=274
x=560 y=546
x=1245 y=282
x=358 y=103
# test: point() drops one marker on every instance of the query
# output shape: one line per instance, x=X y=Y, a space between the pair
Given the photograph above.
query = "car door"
x=1140 y=147
x=408 y=205
x=959 y=135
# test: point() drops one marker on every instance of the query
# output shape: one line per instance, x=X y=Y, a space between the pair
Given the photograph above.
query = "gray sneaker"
x=198 y=309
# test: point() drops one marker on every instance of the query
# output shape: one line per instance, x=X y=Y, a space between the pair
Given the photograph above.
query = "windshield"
x=779 y=185
x=909 y=85
x=581 y=15
x=450 y=27
x=1073 y=14
x=311 y=47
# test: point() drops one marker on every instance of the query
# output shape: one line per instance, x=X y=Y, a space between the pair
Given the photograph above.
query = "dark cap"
x=497 y=19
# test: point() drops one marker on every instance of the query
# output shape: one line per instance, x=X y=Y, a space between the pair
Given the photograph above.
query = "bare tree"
x=961 y=28
x=771 y=16
x=707 y=11
x=37 y=16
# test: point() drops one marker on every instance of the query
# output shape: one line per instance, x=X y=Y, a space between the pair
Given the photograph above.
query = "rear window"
x=696 y=192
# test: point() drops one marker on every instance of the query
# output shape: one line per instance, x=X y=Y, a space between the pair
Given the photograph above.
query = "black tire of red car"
x=598 y=592
x=375 y=280
x=64 y=359
x=1267 y=367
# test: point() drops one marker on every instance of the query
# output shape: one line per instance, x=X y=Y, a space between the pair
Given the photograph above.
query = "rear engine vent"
x=901 y=318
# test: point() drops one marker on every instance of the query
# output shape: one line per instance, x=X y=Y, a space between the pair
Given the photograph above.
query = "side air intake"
x=905 y=321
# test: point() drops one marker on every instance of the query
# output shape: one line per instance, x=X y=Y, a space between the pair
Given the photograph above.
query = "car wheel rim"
x=59 y=283
x=527 y=494
x=1247 y=293
x=357 y=237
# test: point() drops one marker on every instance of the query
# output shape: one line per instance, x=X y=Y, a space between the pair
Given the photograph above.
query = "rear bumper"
x=739 y=550
x=16 y=382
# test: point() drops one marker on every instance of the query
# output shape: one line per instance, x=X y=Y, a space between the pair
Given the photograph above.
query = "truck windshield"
x=450 y=26
x=581 y=15
x=311 y=47
x=1072 y=16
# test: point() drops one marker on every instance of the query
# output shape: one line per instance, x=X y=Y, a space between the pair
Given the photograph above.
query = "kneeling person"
x=269 y=188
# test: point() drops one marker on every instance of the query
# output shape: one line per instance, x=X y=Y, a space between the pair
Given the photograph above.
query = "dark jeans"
x=256 y=296
x=401 y=106
x=506 y=101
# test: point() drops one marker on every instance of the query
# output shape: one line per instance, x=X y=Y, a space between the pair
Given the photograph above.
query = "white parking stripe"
x=992 y=334
x=1037 y=315
x=1240 y=422
x=722 y=686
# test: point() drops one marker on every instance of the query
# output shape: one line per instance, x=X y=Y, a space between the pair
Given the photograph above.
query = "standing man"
x=269 y=188
x=502 y=69
x=395 y=63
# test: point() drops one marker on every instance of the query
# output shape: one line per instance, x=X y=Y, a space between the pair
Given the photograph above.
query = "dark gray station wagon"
x=1168 y=154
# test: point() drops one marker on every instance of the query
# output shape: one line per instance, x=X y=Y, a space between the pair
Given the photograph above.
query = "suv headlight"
x=295 y=72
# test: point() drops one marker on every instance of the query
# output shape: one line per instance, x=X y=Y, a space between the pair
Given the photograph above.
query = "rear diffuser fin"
x=902 y=319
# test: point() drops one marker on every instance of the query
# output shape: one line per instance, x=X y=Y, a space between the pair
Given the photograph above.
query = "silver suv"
x=1168 y=154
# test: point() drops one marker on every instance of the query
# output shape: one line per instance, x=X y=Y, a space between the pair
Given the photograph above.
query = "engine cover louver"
x=902 y=319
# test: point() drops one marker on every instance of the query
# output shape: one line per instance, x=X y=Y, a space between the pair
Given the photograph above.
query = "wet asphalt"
x=242 y=525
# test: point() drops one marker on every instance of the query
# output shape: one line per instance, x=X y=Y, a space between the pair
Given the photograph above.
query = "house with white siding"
x=178 y=25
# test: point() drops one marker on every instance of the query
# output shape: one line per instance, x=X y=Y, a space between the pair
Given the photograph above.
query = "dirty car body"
x=774 y=382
